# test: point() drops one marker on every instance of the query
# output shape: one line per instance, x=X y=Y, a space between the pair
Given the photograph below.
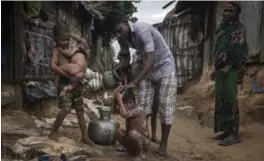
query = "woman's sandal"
x=229 y=141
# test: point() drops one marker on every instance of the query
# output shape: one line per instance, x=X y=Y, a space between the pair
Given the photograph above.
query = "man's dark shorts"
x=73 y=99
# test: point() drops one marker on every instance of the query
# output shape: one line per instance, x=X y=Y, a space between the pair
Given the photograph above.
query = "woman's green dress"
x=230 y=60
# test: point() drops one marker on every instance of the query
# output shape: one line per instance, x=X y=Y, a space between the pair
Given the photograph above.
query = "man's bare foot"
x=161 y=152
x=155 y=139
x=140 y=157
x=54 y=136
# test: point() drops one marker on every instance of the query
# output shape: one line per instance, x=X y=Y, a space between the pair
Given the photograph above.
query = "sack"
x=89 y=74
x=94 y=84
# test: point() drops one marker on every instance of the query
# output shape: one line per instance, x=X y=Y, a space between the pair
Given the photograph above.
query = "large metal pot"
x=103 y=131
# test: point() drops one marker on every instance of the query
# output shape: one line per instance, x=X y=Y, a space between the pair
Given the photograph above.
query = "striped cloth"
x=166 y=89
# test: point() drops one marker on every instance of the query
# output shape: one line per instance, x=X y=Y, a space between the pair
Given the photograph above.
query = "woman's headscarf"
x=236 y=4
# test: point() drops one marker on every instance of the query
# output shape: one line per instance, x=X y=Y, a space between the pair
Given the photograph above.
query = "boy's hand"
x=118 y=93
x=74 y=50
x=118 y=89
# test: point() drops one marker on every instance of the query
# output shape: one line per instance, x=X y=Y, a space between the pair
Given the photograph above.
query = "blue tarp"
x=255 y=87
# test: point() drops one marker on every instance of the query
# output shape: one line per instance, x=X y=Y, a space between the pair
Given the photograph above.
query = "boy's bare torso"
x=62 y=59
x=138 y=123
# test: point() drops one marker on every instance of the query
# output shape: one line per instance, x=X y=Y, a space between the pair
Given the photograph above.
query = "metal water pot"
x=103 y=130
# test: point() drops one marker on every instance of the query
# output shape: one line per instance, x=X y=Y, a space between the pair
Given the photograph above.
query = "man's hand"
x=129 y=85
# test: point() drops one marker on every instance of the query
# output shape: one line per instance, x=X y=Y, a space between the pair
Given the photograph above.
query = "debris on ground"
x=24 y=139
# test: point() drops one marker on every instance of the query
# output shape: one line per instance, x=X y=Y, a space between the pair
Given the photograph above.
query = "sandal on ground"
x=230 y=141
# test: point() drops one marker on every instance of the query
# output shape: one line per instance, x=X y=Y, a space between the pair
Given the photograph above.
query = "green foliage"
x=126 y=7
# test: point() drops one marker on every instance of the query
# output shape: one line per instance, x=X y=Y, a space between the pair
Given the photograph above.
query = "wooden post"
x=208 y=49
x=17 y=42
x=206 y=55
x=95 y=58
x=18 y=55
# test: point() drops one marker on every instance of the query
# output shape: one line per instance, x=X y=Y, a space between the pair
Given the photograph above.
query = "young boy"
x=76 y=56
x=136 y=137
x=155 y=108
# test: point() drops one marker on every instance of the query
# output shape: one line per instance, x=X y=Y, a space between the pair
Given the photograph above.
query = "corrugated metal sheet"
x=186 y=50
x=250 y=17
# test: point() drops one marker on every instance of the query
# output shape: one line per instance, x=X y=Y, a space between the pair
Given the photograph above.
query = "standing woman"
x=230 y=60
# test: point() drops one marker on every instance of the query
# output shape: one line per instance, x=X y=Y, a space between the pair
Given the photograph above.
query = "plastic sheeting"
x=36 y=91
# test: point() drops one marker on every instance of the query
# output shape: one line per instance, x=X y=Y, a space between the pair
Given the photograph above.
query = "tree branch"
x=90 y=8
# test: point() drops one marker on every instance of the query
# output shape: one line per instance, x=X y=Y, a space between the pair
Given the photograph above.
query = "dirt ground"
x=190 y=141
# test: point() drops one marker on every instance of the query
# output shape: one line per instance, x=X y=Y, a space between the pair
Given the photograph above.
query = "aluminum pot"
x=103 y=130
